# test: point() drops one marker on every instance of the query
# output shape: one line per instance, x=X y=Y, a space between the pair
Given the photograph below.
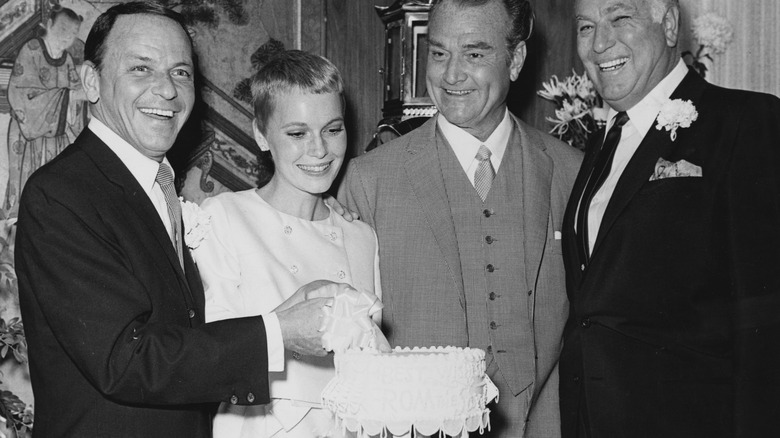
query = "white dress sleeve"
x=219 y=266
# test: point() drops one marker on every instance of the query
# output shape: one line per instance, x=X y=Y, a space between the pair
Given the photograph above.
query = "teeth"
x=613 y=65
x=157 y=112
x=458 y=92
x=314 y=168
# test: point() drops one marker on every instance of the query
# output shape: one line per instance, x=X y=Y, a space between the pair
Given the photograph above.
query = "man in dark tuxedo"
x=671 y=243
x=112 y=302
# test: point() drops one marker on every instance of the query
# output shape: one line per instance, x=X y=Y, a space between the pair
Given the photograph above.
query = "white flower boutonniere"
x=197 y=223
x=675 y=114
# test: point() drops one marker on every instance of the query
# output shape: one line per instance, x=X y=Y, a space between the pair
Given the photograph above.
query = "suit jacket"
x=399 y=190
x=117 y=341
x=674 y=323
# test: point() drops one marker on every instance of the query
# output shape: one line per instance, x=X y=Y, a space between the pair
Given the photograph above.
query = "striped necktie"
x=165 y=179
x=483 y=177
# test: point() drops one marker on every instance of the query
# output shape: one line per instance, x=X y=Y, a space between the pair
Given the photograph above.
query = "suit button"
x=585 y=323
x=490 y=349
x=250 y=397
x=492 y=296
x=487 y=212
x=489 y=240
x=493 y=325
x=490 y=268
x=576 y=379
x=582 y=267
x=234 y=400
x=191 y=313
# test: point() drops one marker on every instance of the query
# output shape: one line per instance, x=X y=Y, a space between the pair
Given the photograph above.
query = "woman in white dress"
x=265 y=243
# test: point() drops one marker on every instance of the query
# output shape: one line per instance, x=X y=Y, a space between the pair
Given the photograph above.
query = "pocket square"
x=680 y=169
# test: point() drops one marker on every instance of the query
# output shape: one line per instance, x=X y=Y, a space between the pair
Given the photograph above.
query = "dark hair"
x=292 y=70
x=95 y=49
x=521 y=17
x=57 y=11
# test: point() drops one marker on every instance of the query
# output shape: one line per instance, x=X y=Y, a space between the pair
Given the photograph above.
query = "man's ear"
x=259 y=137
x=517 y=60
x=90 y=80
x=671 y=24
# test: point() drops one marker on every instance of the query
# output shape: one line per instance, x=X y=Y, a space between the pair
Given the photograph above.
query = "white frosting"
x=410 y=390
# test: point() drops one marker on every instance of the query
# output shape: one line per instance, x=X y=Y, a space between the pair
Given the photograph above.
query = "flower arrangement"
x=675 y=114
x=579 y=109
x=714 y=33
x=197 y=223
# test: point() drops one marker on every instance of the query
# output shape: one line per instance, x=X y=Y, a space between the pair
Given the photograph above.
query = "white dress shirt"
x=466 y=145
x=641 y=117
x=144 y=169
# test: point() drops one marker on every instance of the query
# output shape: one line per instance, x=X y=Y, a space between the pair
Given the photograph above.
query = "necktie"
x=597 y=177
x=483 y=178
x=165 y=179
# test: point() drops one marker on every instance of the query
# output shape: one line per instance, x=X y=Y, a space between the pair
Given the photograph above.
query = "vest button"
x=490 y=268
x=492 y=296
x=490 y=349
x=493 y=325
x=489 y=239
x=487 y=212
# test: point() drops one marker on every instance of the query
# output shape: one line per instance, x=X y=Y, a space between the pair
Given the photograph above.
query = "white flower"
x=713 y=31
x=675 y=114
x=197 y=223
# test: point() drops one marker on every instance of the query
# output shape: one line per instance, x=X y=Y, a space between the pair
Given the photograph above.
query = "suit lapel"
x=656 y=144
x=536 y=175
x=570 y=239
x=425 y=176
x=140 y=205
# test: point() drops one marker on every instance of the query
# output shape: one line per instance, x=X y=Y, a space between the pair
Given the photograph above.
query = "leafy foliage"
x=12 y=340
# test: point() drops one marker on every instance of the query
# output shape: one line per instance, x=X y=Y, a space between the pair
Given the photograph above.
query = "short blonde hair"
x=292 y=70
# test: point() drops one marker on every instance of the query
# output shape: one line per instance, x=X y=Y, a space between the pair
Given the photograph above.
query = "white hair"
x=659 y=8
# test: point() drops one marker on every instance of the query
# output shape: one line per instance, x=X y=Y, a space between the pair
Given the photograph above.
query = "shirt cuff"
x=274 y=343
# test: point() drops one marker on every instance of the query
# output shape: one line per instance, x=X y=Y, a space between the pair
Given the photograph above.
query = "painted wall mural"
x=43 y=108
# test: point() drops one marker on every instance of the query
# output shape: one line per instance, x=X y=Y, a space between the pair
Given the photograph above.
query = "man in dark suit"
x=111 y=299
x=671 y=243
x=468 y=209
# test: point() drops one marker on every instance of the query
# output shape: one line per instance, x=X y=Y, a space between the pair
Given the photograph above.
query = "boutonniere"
x=675 y=114
x=197 y=223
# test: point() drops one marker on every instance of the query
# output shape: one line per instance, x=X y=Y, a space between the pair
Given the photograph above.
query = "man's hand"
x=340 y=209
x=315 y=289
x=301 y=316
x=301 y=325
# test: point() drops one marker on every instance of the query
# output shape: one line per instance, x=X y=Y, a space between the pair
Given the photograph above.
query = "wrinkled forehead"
x=147 y=32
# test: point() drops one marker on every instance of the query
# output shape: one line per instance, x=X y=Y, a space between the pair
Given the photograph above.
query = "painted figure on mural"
x=47 y=102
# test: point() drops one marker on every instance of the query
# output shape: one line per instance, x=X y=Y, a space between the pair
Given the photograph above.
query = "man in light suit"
x=111 y=299
x=470 y=247
x=673 y=255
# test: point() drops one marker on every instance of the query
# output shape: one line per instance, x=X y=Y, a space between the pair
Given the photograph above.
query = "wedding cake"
x=410 y=391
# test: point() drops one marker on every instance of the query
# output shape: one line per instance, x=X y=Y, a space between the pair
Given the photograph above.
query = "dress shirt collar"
x=643 y=114
x=466 y=145
x=143 y=168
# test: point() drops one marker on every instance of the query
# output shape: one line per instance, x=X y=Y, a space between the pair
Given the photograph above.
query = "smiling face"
x=306 y=137
x=469 y=68
x=144 y=90
x=624 y=48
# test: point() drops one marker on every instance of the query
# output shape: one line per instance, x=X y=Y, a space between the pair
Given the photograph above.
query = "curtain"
x=752 y=61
